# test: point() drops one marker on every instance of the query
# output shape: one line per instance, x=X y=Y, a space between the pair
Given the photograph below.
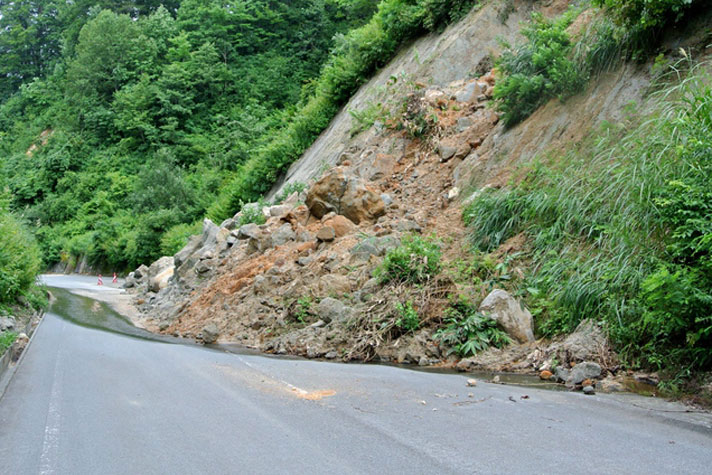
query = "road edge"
x=7 y=368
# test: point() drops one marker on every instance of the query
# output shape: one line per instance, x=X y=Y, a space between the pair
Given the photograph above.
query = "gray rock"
x=386 y=199
x=279 y=210
x=163 y=326
x=589 y=390
x=408 y=226
x=509 y=314
x=365 y=249
x=305 y=236
x=463 y=123
x=205 y=266
x=141 y=273
x=331 y=355
x=283 y=234
x=446 y=152
x=332 y=310
x=248 y=231
x=210 y=333
x=583 y=371
x=468 y=93
x=130 y=281
x=229 y=224
x=7 y=323
x=561 y=374
x=305 y=260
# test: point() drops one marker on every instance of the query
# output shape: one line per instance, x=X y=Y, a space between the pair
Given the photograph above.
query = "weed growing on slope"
x=467 y=331
x=416 y=261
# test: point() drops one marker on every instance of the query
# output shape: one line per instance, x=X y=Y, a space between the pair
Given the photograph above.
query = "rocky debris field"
x=303 y=282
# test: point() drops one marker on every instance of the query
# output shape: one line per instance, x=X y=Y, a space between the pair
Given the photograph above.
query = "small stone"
x=545 y=375
x=472 y=382
x=331 y=355
x=163 y=326
x=453 y=193
x=326 y=234
x=446 y=152
x=496 y=379
x=589 y=390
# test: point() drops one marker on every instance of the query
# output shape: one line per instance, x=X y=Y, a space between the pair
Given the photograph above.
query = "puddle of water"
x=90 y=313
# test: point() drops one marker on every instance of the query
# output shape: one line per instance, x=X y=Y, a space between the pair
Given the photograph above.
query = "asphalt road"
x=89 y=401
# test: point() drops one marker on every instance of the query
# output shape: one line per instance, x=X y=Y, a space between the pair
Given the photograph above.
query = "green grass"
x=416 y=261
x=620 y=230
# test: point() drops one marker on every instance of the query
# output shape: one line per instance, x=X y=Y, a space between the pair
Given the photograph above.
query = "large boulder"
x=509 y=314
x=345 y=194
x=159 y=273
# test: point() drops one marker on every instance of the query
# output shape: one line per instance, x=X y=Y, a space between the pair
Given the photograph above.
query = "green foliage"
x=645 y=14
x=538 y=69
x=416 y=260
x=116 y=142
x=468 y=332
x=293 y=187
x=177 y=237
x=20 y=260
x=620 y=230
x=408 y=318
x=6 y=341
x=304 y=310
x=252 y=213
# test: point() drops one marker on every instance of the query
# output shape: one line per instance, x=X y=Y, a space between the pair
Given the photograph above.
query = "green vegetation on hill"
x=620 y=230
x=121 y=121
x=20 y=260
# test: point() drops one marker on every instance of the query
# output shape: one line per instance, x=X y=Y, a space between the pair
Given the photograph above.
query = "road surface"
x=86 y=400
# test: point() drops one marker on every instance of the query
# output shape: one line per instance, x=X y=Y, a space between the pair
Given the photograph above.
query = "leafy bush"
x=538 y=69
x=620 y=229
x=177 y=237
x=252 y=213
x=6 y=341
x=416 y=260
x=408 y=318
x=645 y=14
x=468 y=332
x=20 y=260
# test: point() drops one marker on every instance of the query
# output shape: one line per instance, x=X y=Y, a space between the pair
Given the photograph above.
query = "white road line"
x=50 y=446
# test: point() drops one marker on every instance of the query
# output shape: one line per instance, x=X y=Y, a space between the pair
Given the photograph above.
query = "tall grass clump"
x=620 y=230
x=353 y=60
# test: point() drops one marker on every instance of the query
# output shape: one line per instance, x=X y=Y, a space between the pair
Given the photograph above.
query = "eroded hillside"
x=371 y=259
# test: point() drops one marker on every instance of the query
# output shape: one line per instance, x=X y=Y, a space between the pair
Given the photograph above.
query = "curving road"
x=87 y=400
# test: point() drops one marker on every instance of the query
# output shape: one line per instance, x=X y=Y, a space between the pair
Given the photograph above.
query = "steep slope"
x=310 y=281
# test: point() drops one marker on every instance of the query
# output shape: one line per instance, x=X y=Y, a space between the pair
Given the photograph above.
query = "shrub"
x=645 y=14
x=6 y=341
x=252 y=213
x=408 y=318
x=468 y=332
x=177 y=237
x=20 y=260
x=416 y=261
x=537 y=70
